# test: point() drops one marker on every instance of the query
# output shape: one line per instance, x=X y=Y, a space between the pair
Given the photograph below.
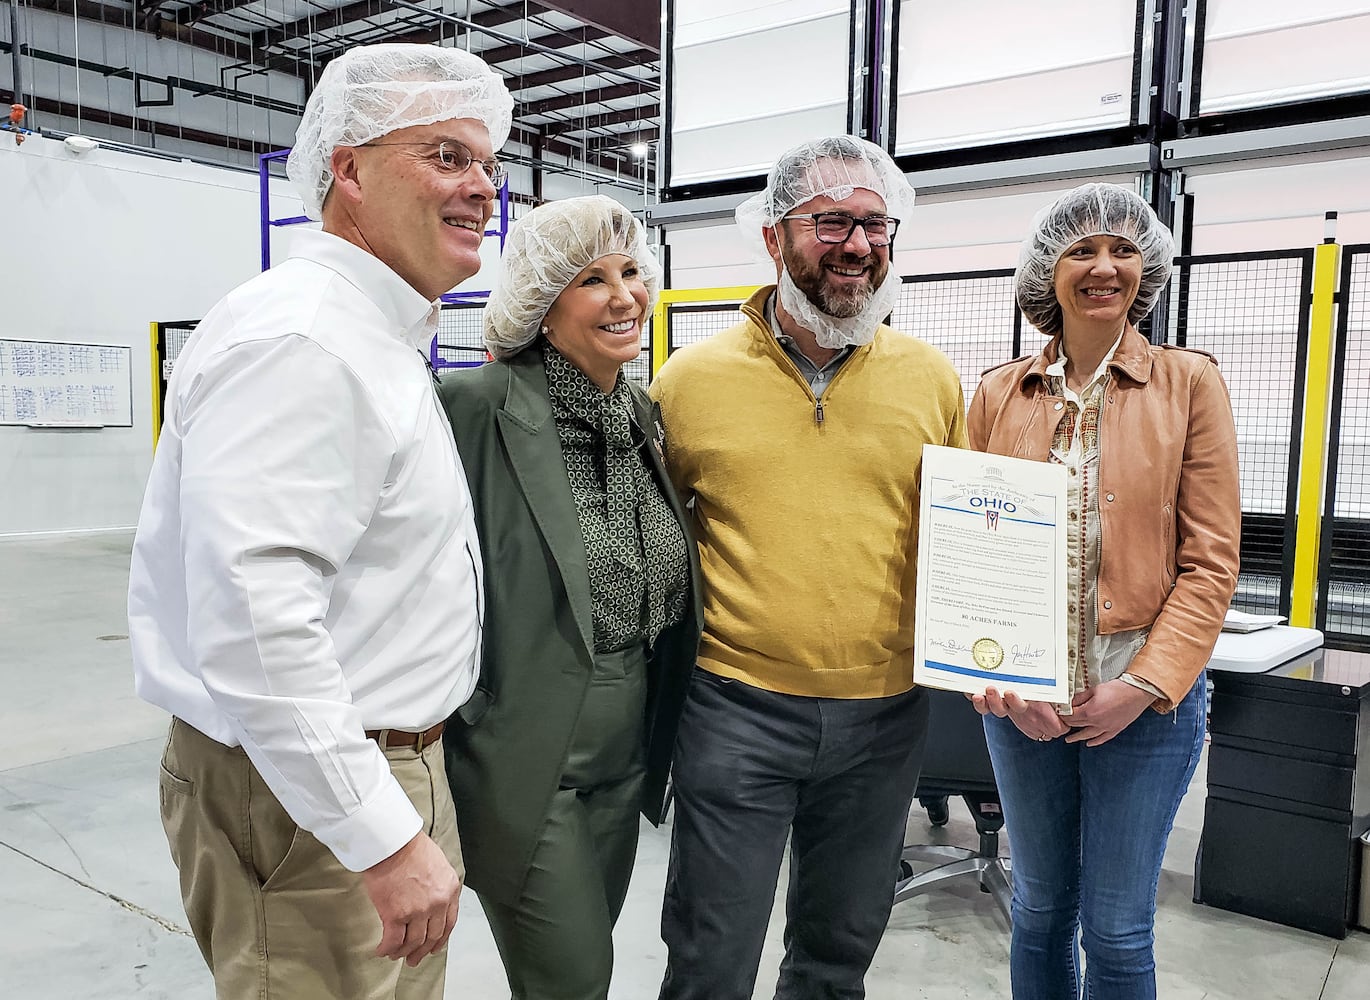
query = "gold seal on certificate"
x=987 y=653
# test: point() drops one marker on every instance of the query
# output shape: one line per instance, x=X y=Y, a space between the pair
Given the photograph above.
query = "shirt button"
x=1108 y=604
x=1110 y=498
x=1073 y=470
x=1070 y=608
x=1073 y=515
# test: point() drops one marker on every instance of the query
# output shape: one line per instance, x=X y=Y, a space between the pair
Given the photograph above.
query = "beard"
x=841 y=301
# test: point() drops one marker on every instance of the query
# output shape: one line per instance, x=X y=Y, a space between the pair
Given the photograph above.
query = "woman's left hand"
x=1101 y=713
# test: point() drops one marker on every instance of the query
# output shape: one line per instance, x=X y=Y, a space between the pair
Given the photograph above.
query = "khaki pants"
x=276 y=916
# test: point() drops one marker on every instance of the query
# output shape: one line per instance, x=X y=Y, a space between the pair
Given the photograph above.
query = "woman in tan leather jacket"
x=1090 y=790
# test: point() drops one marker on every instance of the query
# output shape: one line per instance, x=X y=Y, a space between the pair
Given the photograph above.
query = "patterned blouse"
x=1094 y=658
x=634 y=547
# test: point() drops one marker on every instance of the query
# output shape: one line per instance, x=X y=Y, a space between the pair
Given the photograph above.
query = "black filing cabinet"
x=1288 y=792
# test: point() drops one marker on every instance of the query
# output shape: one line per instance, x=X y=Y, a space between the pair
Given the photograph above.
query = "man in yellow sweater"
x=799 y=434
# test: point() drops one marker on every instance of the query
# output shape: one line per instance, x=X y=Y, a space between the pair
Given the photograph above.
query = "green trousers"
x=557 y=942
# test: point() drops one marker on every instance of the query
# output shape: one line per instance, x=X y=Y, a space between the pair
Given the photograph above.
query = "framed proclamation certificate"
x=991 y=597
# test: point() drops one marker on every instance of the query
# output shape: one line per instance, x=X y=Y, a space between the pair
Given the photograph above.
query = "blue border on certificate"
x=993 y=675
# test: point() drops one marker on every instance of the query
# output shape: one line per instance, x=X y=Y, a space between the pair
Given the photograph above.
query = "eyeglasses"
x=835 y=227
x=454 y=158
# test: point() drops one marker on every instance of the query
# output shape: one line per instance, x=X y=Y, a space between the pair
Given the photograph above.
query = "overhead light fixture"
x=639 y=149
x=79 y=144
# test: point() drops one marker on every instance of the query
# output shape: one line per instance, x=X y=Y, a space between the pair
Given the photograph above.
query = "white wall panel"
x=749 y=82
x=1046 y=68
x=1259 y=52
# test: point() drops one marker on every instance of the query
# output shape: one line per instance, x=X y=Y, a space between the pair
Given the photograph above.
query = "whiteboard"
x=45 y=384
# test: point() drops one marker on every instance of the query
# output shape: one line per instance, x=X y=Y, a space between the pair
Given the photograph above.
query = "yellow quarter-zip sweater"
x=807 y=517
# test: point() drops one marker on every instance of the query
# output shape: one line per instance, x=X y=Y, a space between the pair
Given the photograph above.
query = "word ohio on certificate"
x=991 y=575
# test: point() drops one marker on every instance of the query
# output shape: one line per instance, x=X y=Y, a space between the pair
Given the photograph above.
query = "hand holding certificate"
x=991 y=575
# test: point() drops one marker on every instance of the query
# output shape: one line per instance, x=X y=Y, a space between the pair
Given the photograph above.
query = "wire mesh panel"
x=171 y=338
x=969 y=316
x=689 y=324
x=1251 y=312
x=1344 y=577
x=460 y=343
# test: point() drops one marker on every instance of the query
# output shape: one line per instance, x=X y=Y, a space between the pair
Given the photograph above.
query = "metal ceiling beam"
x=551 y=104
x=325 y=20
x=574 y=152
x=622 y=140
x=233 y=47
x=65 y=109
x=560 y=74
x=639 y=22
x=551 y=43
x=643 y=113
x=192 y=11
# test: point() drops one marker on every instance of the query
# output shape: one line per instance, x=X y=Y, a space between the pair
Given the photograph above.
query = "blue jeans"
x=1088 y=826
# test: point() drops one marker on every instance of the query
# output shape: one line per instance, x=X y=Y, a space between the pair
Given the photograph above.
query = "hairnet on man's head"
x=1090 y=210
x=373 y=90
x=834 y=167
x=545 y=251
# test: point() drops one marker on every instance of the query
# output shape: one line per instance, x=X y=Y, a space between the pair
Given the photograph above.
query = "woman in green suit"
x=592 y=609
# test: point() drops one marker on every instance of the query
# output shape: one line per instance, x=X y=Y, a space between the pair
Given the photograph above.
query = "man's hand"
x=1036 y=720
x=415 y=892
x=1103 y=712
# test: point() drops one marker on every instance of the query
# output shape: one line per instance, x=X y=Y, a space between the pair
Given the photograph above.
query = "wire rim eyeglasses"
x=454 y=158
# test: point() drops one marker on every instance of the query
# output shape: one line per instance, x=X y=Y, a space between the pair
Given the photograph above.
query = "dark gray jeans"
x=752 y=767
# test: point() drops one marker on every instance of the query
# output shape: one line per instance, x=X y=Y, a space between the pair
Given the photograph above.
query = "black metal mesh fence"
x=1344 y=601
x=171 y=338
x=459 y=340
x=971 y=317
x=1251 y=312
x=689 y=324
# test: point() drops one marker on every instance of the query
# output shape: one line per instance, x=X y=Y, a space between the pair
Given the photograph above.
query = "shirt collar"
x=412 y=318
x=1058 y=367
x=785 y=339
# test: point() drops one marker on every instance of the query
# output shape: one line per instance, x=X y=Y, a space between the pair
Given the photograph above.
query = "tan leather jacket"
x=1169 y=503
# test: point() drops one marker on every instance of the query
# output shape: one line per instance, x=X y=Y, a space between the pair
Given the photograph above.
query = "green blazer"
x=506 y=747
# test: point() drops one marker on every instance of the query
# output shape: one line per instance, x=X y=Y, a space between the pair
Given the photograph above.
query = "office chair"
x=956 y=762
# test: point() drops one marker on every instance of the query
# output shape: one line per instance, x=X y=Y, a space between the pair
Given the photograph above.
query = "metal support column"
x=1313 y=450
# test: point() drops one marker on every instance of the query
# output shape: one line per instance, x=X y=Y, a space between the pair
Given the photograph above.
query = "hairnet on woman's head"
x=834 y=167
x=373 y=90
x=545 y=251
x=1090 y=210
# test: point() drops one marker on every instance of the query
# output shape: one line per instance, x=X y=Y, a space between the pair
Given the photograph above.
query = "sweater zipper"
x=818 y=410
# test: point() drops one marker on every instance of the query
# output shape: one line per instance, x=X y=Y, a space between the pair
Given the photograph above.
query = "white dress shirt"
x=306 y=565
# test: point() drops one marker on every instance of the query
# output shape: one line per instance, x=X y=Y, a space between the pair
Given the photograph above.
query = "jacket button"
x=1058 y=406
x=1110 y=498
x=1108 y=604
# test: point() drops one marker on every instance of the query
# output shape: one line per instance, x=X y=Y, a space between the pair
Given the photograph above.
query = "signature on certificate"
x=1027 y=654
x=950 y=645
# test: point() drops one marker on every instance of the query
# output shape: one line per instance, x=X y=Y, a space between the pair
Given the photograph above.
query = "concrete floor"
x=90 y=906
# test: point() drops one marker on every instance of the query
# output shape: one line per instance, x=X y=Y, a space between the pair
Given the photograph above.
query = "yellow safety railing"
x=687 y=296
x=155 y=354
x=1317 y=400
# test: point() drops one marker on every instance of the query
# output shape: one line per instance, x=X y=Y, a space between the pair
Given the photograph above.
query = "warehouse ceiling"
x=585 y=74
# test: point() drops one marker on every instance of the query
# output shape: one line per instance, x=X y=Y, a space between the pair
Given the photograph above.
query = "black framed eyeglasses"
x=837 y=227
x=454 y=158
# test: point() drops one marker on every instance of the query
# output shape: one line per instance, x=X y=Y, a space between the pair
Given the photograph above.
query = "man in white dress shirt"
x=305 y=592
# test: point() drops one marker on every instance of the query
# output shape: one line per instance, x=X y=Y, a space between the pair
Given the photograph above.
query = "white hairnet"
x=545 y=251
x=373 y=90
x=1090 y=210
x=832 y=167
